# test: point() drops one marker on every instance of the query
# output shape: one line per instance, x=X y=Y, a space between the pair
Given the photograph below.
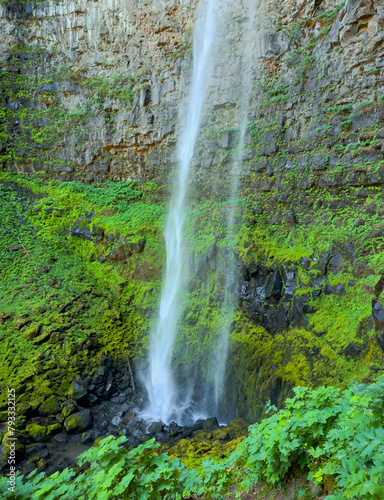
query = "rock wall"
x=103 y=85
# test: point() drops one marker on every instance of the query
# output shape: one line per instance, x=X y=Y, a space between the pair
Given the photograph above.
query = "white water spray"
x=220 y=353
x=163 y=398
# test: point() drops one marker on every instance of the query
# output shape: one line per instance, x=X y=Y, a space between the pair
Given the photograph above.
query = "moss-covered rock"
x=40 y=433
x=64 y=387
x=23 y=408
x=53 y=429
x=44 y=390
x=37 y=432
x=78 y=422
x=86 y=437
x=42 y=338
x=77 y=391
x=69 y=407
x=51 y=406
x=35 y=463
x=60 y=418
x=33 y=331
x=36 y=402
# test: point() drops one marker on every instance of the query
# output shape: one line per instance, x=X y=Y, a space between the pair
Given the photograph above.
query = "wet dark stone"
x=155 y=428
x=78 y=391
x=338 y=289
x=379 y=287
x=211 y=423
x=306 y=263
x=105 y=361
x=47 y=87
x=371 y=209
x=175 y=429
x=308 y=309
x=139 y=425
x=92 y=399
x=274 y=286
x=378 y=316
x=162 y=438
x=37 y=449
x=352 y=350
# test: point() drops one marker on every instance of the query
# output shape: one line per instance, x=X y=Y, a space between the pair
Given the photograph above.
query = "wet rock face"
x=81 y=228
x=269 y=298
x=129 y=39
x=148 y=42
x=137 y=429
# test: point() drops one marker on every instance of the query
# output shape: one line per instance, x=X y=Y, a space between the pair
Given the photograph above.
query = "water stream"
x=164 y=401
x=220 y=350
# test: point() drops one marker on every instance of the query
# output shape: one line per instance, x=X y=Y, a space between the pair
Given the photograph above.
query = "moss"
x=53 y=429
x=209 y=443
x=68 y=408
x=119 y=313
x=40 y=433
x=76 y=422
x=37 y=432
x=51 y=406
x=44 y=390
x=35 y=403
x=113 y=319
x=23 y=408
x=32 y=331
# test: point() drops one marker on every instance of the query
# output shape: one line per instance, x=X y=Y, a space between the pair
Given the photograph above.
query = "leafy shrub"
x=327 y=432
x=113 y=472
x=113 y=195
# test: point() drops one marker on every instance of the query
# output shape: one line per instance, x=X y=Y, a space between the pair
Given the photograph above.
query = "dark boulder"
x=69 y=407
x=78 y=422
x=155 y=428
x=274 y=287
x=352 y=350
x=78 y=391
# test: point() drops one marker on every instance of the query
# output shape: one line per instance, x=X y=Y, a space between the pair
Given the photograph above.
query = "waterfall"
x=163 y=398
x=220 y=351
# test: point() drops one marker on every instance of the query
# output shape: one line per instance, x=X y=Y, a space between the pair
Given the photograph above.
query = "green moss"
x=75 y=423
x=37 y=432
x=113 y=318
x=51 y=406
x=209 y=443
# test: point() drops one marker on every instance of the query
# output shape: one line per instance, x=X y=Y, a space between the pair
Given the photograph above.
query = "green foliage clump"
x=113 y=195
x=112 y=473
x=332 y=434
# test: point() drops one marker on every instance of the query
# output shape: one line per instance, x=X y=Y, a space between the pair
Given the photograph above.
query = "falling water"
x=220 y=353
x=163 y=398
